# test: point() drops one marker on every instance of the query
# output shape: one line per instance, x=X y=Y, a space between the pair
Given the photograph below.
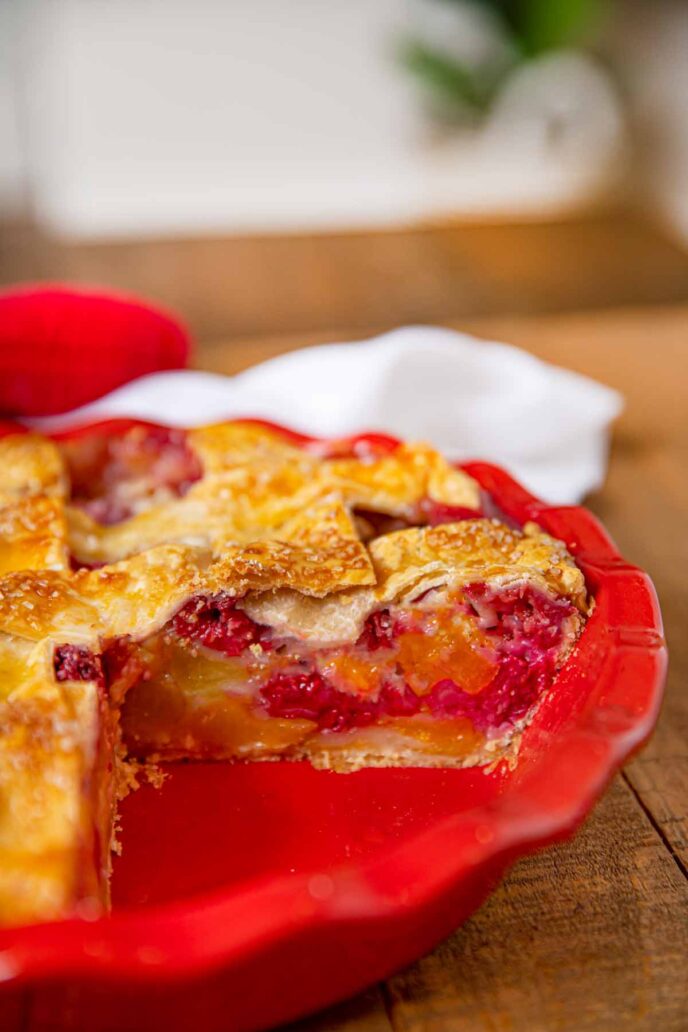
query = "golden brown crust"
x=33 y=535
x=137 y=596
x=410 y=561
x=237 y=444
x=268 y=464
x=48 y=734
x=266 y=517
x=31 y=465
x=396 y=483
x=257 y=486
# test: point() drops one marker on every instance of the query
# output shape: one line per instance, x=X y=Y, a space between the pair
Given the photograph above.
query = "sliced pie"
x=232 y=593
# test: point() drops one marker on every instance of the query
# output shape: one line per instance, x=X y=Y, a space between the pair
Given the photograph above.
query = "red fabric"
x=61 y=347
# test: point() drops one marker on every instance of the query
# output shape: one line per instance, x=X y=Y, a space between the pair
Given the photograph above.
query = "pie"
x=236 y=593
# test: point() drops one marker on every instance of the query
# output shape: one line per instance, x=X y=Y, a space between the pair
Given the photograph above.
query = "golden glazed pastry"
x=225 y=593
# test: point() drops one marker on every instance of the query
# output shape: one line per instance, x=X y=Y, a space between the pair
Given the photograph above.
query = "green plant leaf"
x=540 y=25
x=452 y=82
x=559 y=23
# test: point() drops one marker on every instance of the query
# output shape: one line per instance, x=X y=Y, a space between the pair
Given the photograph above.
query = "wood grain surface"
x=228 y=286
x=593 y=934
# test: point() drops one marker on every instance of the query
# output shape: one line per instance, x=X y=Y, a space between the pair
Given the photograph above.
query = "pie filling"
x=427 y=513
x=479 y=658
x=114 y=476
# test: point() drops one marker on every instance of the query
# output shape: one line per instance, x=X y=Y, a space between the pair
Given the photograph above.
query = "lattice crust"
x=31 y=465
x=33 y=535
x=137 y=596
x=214 y=516
x=269 y=466
x=257 y=487
x=269 y=521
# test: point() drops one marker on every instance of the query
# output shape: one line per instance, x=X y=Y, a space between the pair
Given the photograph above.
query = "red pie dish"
x=453 y=669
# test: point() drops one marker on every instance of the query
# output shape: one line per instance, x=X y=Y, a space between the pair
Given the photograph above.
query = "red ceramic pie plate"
x=250 y=894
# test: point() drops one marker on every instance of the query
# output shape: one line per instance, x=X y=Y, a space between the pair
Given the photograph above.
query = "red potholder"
x=61 y=347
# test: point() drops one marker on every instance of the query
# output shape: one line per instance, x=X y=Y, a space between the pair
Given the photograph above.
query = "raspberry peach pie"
x=236 y=593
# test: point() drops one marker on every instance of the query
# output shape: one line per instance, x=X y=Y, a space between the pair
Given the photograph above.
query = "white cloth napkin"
x=473 y=399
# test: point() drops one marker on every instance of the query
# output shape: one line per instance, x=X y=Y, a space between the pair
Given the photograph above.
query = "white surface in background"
x=12 y=158
x=652 y=45
x=473 y=399
x=167 y=116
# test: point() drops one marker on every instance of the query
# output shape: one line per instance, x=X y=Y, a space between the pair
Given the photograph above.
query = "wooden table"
x=592 y=935
x=230 y=286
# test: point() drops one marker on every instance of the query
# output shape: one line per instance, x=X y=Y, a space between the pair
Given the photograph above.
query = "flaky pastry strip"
x=409 y=562
x=33 y=535
x=31 y=465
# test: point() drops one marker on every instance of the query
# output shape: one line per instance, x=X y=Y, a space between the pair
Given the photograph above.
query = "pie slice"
x=230 y=594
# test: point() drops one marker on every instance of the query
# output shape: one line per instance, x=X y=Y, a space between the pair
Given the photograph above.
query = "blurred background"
x=267 y=167
x=282 y=172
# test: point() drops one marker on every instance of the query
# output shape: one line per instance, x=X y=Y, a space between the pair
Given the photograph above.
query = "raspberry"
x=525 y=627
x=398 y=702
x=507 y=698
x=524 y=620
x=214 y=621
x=76 y=663
x=306 y=695
x=378 y=631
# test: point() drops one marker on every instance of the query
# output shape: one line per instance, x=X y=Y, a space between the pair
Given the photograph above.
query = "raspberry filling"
x=216 y=623
x=428 y=513
x=116 y=475
x=76 y=663
x=484 y=654
x=378 y=631
x=308 y=696
x=527 y=629
x=525 y=621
